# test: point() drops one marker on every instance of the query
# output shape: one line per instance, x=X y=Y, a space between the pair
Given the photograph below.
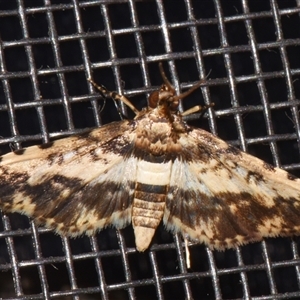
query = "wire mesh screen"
x=247 y=50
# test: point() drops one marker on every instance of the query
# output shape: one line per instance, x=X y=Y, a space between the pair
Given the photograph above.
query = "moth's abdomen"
x=149 y=200
x=147 y=212
x=148 y=205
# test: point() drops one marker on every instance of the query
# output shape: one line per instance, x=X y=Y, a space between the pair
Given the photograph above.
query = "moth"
x=150 y=169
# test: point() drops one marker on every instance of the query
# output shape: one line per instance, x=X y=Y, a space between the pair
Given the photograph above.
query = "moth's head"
x=165 y=96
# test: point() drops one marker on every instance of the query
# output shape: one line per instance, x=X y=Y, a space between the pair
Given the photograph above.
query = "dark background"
x=249 y=53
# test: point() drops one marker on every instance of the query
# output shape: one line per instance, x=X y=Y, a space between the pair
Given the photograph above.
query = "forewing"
x=224 y=197
x=75 y=185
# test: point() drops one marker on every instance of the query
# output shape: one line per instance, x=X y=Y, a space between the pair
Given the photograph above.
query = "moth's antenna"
x=103 y=91
x=165 y=78
x=170 y=86
x=189 y=91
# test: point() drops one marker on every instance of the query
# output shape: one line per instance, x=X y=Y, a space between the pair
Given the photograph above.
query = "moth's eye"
x=153 y=99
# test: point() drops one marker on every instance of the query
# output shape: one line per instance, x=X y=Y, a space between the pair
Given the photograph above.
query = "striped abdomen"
x=149 y=200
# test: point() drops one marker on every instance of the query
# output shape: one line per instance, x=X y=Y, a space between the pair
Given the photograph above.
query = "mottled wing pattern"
x=224 y=197
x=75 y=185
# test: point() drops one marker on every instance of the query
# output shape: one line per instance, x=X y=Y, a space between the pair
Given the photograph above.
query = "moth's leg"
x=115 y=96
x=197 y=108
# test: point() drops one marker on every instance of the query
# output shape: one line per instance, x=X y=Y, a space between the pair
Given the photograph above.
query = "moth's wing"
x=77 y=184
x=224 y=197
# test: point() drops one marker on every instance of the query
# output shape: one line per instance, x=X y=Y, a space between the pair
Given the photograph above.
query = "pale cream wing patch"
x=224 y=197
x=75 y=185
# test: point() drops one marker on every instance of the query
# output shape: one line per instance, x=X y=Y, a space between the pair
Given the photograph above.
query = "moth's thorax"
x=158 y=130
